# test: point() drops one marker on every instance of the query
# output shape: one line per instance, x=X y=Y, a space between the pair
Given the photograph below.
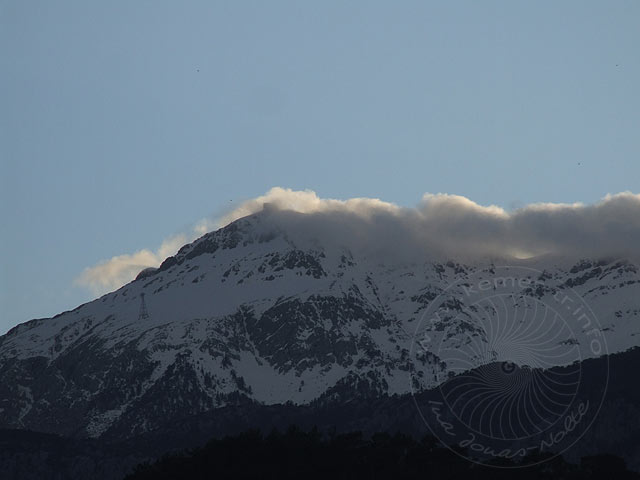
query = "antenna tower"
x=143 y=315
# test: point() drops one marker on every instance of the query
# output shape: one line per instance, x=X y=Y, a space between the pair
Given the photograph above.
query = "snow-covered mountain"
x=253 y=312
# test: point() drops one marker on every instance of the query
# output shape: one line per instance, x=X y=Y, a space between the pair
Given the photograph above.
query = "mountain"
x=260 y=313
x=25 y=455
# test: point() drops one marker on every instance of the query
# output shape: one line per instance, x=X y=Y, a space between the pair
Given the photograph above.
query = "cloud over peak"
x=441 y=225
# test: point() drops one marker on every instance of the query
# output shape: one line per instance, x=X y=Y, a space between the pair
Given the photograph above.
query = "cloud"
x=111 y=274
x=440 y=226
x=306 y=201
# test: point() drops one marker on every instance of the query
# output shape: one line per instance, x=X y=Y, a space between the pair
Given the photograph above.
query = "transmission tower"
x=143 y=315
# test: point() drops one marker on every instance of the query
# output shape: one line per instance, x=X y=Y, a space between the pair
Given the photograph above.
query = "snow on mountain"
x=252 y=312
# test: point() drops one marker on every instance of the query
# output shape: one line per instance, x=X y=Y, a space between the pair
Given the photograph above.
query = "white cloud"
x=111 y=274
x=441 y=225
x=306 y=201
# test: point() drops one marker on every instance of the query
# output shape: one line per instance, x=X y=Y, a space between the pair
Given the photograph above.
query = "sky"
x=124 y=124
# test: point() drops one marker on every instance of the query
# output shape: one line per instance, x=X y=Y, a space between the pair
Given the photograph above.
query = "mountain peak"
x=269 y=311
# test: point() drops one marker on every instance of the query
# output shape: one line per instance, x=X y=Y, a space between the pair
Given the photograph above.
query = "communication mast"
x=143 y=315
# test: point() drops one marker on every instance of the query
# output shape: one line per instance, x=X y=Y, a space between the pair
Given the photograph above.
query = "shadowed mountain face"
x=611 y=432
x=253 y=314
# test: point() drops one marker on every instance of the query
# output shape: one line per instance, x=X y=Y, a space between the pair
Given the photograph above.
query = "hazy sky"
x=124 y=123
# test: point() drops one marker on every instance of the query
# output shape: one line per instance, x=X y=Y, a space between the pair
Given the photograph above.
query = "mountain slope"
x=48 y=456
x=256 y=312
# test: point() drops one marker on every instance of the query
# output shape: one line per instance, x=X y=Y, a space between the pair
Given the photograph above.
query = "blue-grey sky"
x=125 y=122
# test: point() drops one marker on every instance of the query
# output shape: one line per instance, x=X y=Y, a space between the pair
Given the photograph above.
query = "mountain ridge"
x=255 y=311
